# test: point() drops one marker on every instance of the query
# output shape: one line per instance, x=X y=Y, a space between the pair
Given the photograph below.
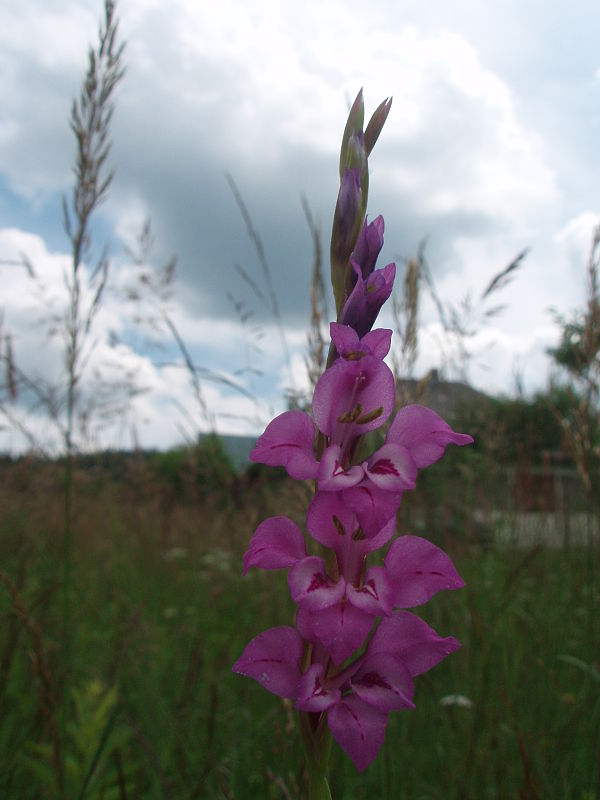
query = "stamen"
x=366 y=418
x=358 y=535
x=338 y=526
x=349 y=417
x=354 y=355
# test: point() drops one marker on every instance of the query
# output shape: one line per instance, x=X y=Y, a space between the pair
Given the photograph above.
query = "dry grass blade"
x=463 y=321
x=11 y=373
x=273 y=304
x=252 y=284
x=405 y=313
x=192 y=371
x=506 y=275
x=315 y=359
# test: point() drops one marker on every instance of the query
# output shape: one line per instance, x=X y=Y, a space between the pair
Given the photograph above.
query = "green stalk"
x=316 y=738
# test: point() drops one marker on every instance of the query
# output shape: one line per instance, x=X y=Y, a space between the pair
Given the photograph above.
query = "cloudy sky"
x=490 y=148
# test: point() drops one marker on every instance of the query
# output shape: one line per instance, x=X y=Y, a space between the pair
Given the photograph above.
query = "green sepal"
x=316 y=738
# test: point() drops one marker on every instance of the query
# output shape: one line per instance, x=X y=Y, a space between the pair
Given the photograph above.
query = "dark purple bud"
x=347 y=221
x=362 y=307
x=368 y=246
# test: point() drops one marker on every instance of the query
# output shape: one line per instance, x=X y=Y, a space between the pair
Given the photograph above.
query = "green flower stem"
x=316 y=739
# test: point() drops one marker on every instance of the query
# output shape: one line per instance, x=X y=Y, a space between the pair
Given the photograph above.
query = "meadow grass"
x=160 y=612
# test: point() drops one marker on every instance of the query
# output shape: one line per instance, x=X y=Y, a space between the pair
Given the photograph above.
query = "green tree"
x=578 y=355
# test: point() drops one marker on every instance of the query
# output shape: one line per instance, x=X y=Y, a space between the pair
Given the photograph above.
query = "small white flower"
x=456 y=700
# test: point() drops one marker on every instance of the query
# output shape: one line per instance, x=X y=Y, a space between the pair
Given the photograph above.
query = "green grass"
x=160 y=612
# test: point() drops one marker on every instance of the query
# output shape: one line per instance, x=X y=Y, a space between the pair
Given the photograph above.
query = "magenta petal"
x=424 y=433
x=382 y=536
x=344 y=338
x=277 y=544
x=375 y=596
x=311 y=586
x=273 y=659
x=412 y=640
x=378 y=342
x=331 y=476
x=341 y=629
x=392 y=468
x=312 y=695
x=417 y=570
x=383 y=681
x=329 y=520
x=332 y=523
x=288 y=442
x=353 y=397
x=358 y=728
x=374 y=507
x=304 y=624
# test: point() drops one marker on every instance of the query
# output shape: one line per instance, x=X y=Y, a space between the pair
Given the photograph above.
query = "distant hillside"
x=445 y=397
x=238 y=449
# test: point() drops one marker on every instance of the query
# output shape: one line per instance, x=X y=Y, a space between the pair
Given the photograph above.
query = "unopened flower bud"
x=354 y=125
x=376 y=124
x=347 y=222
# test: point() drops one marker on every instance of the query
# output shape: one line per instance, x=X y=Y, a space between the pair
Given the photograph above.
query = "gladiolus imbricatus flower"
x=354 y=652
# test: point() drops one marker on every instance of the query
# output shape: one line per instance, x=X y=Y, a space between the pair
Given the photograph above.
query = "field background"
x=141 y=703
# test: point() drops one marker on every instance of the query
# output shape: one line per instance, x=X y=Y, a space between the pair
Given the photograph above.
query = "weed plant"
x=160 y=613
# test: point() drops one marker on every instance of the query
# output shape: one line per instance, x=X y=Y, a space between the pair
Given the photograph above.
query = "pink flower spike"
x=332 y=477
x=412 y=640
x=277 y=544
x=392 y=468
x=273 y=659
x=288 y=441
x=384 y=682
x=418 y=569
x=424 y=433
x=311 y=586
x=358 y=728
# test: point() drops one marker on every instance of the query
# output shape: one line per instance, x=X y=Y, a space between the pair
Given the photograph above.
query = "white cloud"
x=575 y=239
x=261 y=90
x=42 y=54
x=166 y=405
